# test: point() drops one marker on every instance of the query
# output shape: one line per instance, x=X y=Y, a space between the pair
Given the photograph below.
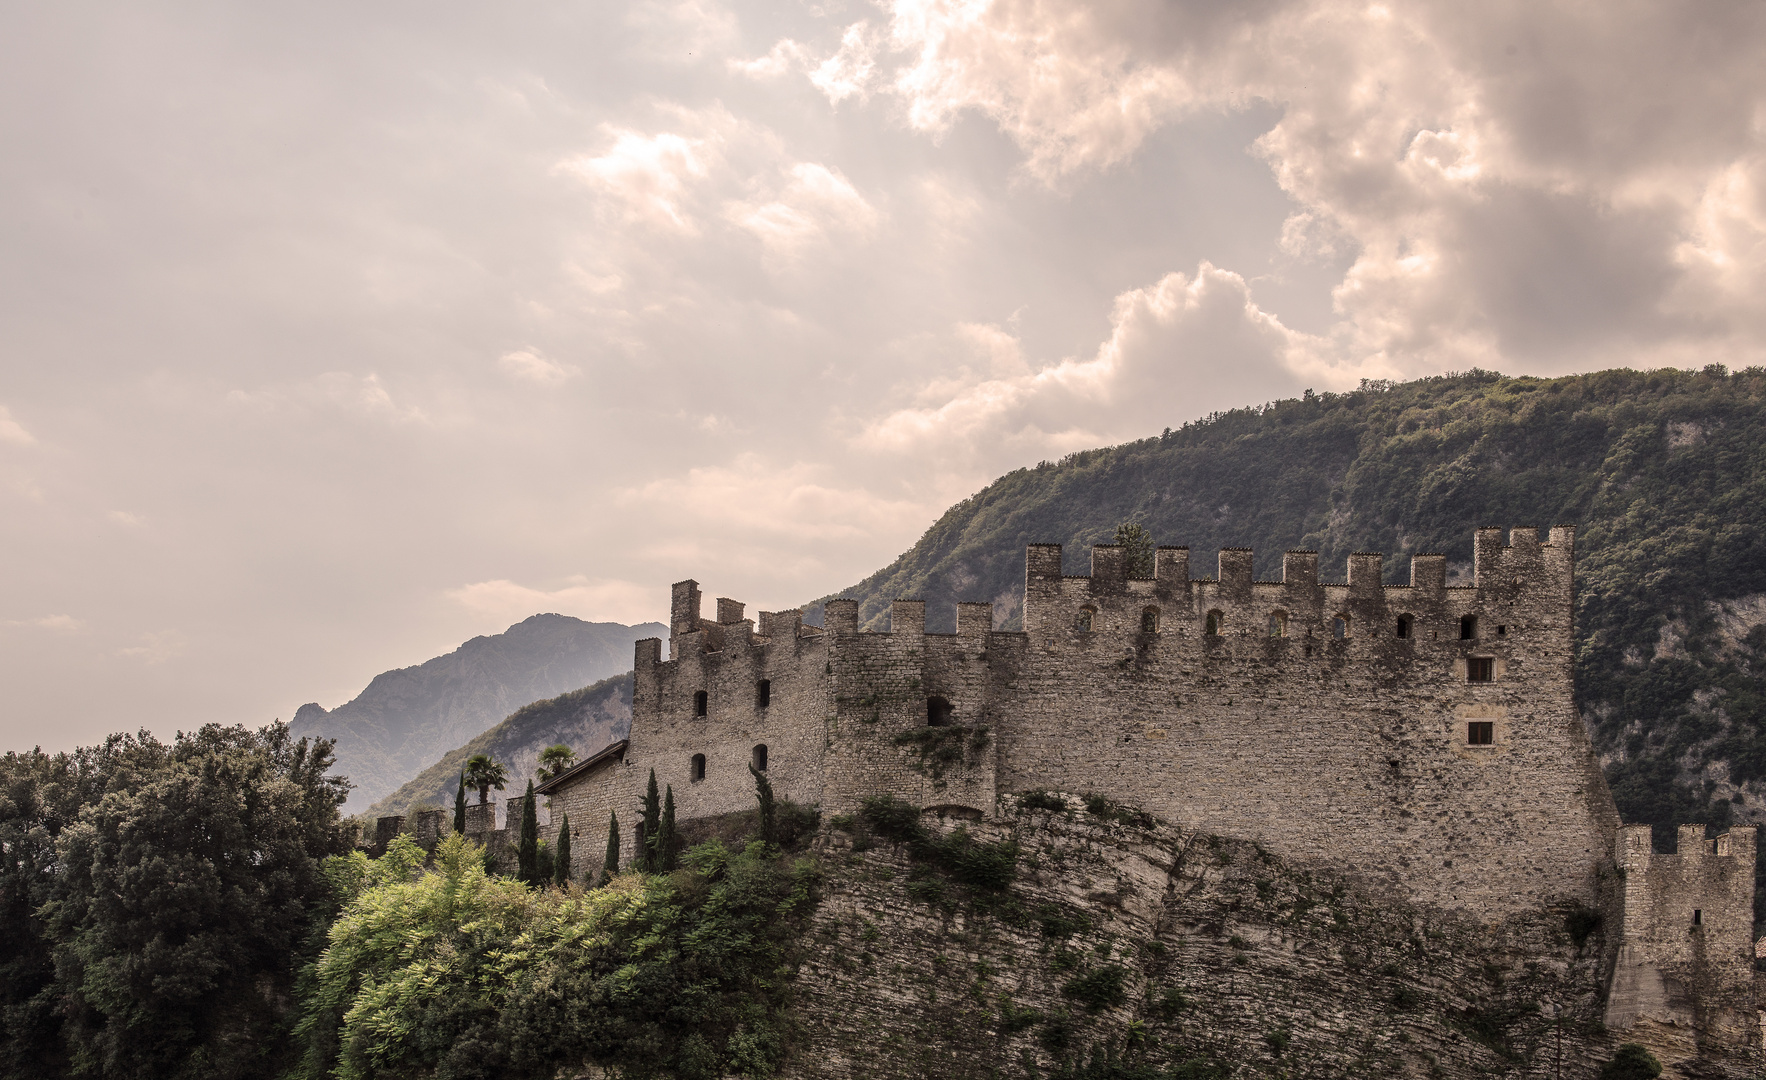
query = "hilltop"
x=406 y=717
x=1664 y=472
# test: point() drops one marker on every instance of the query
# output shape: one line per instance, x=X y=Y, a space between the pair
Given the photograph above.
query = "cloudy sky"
x=334 y=334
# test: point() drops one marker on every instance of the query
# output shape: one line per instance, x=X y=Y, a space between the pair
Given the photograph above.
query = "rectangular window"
x=1480 y=732
x=1480 y=669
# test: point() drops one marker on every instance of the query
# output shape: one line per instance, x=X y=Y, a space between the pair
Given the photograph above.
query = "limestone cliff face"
x=405 y=719
x=1185 y=952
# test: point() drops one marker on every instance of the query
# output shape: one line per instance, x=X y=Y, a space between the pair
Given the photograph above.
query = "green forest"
x=1663 y=473
x=200 y=910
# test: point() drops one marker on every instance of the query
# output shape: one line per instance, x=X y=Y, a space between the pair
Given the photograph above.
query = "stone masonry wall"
x=1684 y=972
x=1348 y=749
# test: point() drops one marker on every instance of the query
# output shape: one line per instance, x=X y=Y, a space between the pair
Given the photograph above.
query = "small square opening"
x=1480 y=732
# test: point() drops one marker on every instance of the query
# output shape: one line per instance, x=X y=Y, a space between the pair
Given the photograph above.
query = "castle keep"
x=1423 y=735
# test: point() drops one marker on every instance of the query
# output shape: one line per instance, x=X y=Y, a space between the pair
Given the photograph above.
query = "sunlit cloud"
x=11 y=431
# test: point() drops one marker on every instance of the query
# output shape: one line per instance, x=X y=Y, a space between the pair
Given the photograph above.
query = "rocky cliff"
x=1117 y=946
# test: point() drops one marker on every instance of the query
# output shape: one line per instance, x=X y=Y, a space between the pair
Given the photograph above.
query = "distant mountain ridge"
x=1664 y=473
x=586 y=720
x=406 y=718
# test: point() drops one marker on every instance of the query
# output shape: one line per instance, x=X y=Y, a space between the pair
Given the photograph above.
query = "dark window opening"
x=1404 y=626
x=1502 y=631
x=1340 y=626
x=1468 y=628
x=697 y=772
x=763 y=693
x=1083 y=622
x=1480 y=732
x=1150 y=621
x=1213 y=628
x=1278 y=625
x=760 y=758
x=1698 y=917
x=700 y=700
x=938 y=712
x=1480 y=669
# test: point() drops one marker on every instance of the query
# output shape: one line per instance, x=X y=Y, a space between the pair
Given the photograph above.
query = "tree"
x=483 y=773
x=651 y=825
x=527 y=851
x=769 y=817
x=667 y=848
x=555 y=760
x=610 y=866
x=186 y=898
x=1137 y=545
x=460 y=806
x=561 y=858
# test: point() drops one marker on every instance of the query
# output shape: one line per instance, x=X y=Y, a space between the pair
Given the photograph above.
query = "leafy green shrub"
x=1060 y=923
x=455 y=973
x=893 y=819
x=988 y=867
x=1099 y=806
x=1631 y=1062
x=1042 y=800
x=1100 y=987
x=952 y=746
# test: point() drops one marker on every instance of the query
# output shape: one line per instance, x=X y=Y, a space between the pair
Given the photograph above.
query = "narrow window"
x=937 y=712
x=1214 y=621
x=1502 y=631
x=763 y=693
x=1480 y=669
x=1698 y=917
x=1150 y=620
x=1480 y=732
x=760 y=758
x=1404 y=626
x=1278 y=624
x=699 y=702
x=1468 y=628
x=698 y=770
x=1340 y=626
x=1083 y=622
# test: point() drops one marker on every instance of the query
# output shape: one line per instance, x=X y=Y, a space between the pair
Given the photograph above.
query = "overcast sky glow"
x=332 y=335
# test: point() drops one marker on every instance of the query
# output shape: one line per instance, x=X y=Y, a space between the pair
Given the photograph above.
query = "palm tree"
x=554 y=760
x=484 y=774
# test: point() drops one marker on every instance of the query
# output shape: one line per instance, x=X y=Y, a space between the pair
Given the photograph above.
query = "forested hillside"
x=1664 y=472
x=585 y=720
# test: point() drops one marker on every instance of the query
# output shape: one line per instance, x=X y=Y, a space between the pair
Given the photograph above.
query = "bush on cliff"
x=456 y=973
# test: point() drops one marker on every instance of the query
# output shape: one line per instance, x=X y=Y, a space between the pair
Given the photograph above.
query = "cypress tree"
x=652 y=825
x=460 y=806
x=561 y=858
x=610 y=867
x=763 y=791
x=527 y=855
x=667 y=855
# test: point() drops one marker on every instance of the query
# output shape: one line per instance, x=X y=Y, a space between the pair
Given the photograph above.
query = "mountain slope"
x=408 y=717
x=1664 y=471
x=585 y=720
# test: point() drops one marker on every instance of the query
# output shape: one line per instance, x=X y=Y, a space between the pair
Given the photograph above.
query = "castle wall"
x=1349 y=749
x=1686 y=958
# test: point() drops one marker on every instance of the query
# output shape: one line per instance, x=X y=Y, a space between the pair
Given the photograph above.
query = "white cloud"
x=649 y=179
x=12 y=431
x=157 y=647
x=342 y=392
x=595 y=599
x=817 y=204
x=780 y=59
x=530 y=366
x=65 y=624
x=124 y=517
x=848 y=72
x=1178 y=348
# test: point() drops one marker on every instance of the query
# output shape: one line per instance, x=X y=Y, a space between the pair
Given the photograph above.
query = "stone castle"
x=1423 y=736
